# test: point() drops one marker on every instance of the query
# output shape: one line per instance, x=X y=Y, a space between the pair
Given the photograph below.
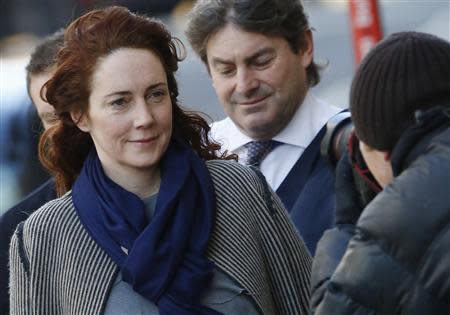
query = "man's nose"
x=246 y=82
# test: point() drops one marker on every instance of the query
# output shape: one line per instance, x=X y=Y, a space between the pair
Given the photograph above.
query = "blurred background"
x=23 y=22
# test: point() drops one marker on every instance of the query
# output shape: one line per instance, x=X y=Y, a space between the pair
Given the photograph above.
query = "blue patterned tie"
x=258 y=150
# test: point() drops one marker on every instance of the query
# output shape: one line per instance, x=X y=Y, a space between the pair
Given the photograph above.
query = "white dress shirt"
x=310 y=117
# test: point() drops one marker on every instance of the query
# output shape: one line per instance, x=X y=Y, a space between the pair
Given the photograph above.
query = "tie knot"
x=258 y=150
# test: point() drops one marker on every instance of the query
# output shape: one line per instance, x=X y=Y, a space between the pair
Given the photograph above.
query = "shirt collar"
x=306 y=123
x=229 y=135
x=309 y=118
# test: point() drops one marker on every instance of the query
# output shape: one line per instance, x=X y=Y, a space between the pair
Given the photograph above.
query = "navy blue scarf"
x=166 y=260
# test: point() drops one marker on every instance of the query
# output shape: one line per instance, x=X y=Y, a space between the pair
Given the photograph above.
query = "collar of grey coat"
x=257 y=247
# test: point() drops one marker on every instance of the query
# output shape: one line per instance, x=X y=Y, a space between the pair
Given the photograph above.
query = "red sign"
x=366 y=28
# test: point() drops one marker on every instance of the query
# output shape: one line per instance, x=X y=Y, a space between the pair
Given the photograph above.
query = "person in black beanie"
x=390 y=255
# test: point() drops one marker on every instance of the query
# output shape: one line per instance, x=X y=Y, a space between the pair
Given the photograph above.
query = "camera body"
x=336 y=142
x=338 y=131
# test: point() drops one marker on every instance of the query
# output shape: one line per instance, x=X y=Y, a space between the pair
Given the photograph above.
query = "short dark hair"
x=405 y=72
x=275 y=18
x=43 y=58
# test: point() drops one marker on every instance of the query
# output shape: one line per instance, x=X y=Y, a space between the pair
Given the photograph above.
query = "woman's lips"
x=144 y=141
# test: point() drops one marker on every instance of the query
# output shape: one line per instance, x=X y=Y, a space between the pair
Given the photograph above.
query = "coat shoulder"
x=49 y=218
x=234 y=175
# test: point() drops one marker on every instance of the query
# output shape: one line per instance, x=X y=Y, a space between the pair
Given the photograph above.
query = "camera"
x=337 y=135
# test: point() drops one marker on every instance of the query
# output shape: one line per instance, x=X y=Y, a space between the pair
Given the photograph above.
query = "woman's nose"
x=143 y=114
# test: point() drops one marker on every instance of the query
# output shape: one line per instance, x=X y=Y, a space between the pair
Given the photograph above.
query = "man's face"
x=45 y=111
x=259 y=80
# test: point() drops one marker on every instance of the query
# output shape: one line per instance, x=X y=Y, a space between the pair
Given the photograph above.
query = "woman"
x=156 y=222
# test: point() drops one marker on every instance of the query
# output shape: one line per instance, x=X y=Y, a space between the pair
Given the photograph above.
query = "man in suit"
x=259 y=54
x=39 y=70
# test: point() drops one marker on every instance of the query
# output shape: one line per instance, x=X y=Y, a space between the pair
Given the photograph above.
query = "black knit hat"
x=405 y=72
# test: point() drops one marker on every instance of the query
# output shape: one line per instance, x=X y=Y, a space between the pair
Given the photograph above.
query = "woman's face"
x=130 y=111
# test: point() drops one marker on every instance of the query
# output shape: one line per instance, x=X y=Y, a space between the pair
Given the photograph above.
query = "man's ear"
x=80 y=120
x=307 y=49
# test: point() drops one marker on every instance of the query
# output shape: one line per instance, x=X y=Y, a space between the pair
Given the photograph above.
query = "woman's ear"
x=80 y=120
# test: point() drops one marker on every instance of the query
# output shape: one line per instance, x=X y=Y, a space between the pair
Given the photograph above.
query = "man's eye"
x=261 y=63
x=50 y=120
x=225 y=71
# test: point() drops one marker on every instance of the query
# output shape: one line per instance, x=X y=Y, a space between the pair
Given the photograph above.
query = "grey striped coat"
x=57 y=268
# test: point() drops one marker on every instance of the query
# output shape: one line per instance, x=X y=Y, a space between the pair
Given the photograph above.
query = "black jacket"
x=8 y=223
x=396 y=259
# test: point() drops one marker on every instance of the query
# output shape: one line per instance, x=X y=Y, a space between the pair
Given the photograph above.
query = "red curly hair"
x=63 y=147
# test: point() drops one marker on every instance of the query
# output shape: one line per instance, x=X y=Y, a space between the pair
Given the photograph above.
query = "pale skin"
x=45 y=111
x=379 y=163
x=259 y=80
x=129 y=118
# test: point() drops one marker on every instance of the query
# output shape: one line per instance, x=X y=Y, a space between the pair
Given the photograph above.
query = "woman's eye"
x=157 y=96
x=118 y=102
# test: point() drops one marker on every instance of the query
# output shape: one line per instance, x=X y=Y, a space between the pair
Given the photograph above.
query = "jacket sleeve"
x=19 y=275
x=339 y=261
x=286 y=255
x=330 y=250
